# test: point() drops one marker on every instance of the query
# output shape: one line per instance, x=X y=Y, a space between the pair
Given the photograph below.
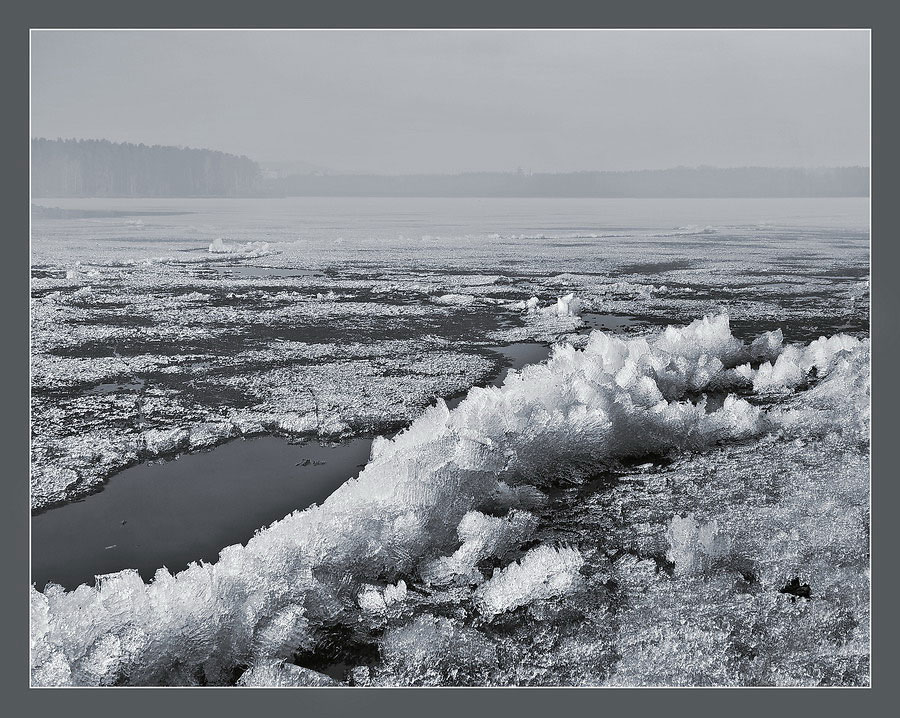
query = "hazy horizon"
x=447 y=102
x=311 y=167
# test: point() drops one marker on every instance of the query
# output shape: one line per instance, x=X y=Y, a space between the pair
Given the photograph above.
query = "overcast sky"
x=443 y=101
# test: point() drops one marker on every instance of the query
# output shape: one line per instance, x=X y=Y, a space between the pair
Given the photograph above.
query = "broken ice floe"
x=413 y=504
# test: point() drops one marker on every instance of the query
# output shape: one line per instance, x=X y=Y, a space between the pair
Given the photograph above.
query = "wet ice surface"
x=355 y=318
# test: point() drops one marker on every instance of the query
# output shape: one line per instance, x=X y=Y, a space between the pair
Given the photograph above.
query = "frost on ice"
x=444 y=561
x=544 y=572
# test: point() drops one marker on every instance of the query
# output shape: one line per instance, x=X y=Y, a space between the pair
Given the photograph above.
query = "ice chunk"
x=694 y=547
x=278 y=674
x=767 y=346
x=285 y=633
x=218 y=246
x=710 y=335
x=482 y=537
x=436 y=651
x=567 y=306
x=544 y=572
x=507 y=497
x=255 y=249
x=377 y=601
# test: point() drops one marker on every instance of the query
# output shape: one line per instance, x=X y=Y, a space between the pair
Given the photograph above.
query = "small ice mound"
x=691 y=229
x=543 y=573
x=195 y=297
x=641 y=291
x=218 y=246
x=782 y=376
x=566 y=306
x=250 y=249
x=794 y=365
x=482 y=537
x=434 y=651
x=82 y=295
x=458 y=300
x=695 y=547
x=531 y=305
x=278 y=674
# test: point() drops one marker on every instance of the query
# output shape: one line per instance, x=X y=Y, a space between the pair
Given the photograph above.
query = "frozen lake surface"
x=168 y=327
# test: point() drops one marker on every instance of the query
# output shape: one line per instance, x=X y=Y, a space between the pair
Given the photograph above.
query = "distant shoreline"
x=98 y=168
x=41 y=212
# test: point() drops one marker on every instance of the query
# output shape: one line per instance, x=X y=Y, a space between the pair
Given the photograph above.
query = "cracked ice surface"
x=405 y=560
x=358 y=336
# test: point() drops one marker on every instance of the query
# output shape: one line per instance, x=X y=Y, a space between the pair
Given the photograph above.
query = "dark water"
x=174 y=512
x=515 y=356
x=135 y=385
x=609 y=322
x=246 y=271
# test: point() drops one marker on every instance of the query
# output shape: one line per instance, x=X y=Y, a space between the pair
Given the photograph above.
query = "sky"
x=396 y=102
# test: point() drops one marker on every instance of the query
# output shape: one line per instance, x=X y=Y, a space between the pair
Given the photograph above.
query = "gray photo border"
x=21 y=700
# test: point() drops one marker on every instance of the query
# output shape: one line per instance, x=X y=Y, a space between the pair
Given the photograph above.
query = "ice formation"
x=220 y=246
x=693 y=546
x=279 y=674
x=567 y=306
x=446 y=507
x=793 y=366
x=544 y=572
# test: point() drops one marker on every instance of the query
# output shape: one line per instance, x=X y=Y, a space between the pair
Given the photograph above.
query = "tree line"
x=99 y=168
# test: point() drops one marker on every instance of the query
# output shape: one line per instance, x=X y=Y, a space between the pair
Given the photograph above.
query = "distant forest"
x=677 y=182
x=98 y=168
